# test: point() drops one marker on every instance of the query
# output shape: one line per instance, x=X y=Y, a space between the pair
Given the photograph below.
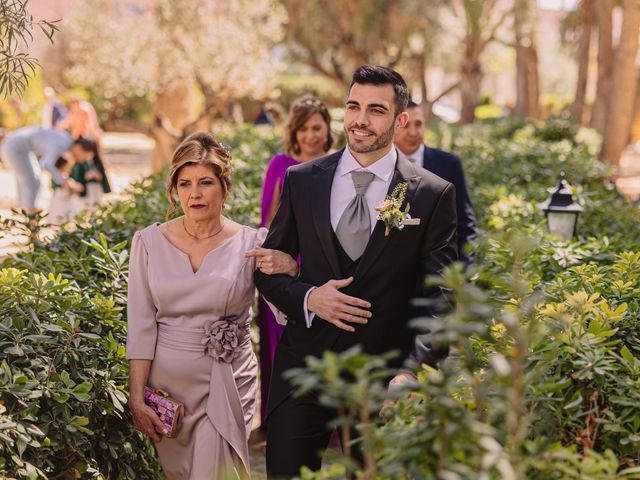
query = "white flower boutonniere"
x=391 y=212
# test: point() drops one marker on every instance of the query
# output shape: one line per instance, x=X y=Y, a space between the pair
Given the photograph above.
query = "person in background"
x=264 y=117
x=307 y=136
x=82 y=121
x=64 y=202
x=410 y=141
x=89 y=171
x=52 y=111
x=21 y=150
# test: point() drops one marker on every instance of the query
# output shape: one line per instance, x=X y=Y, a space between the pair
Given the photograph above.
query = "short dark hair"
x=87 y=144
x=377 y=75
x=412 y=104
x=61 y=162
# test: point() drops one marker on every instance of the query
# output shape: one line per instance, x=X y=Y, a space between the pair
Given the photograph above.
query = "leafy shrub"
x=556 y=129
x=544 y=377
x=252 y=149
x=63 y=380
x=63 y=331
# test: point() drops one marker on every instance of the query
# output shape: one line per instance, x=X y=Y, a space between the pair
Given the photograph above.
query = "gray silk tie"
x=354 y=227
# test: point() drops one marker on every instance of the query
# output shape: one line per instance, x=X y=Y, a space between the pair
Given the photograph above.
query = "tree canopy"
x=16 y=27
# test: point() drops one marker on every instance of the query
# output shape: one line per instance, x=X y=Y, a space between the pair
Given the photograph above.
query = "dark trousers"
x=297 y=436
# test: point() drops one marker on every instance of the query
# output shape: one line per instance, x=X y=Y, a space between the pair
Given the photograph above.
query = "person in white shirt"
x=357 y=277
x=28 y=149
x=447 y=165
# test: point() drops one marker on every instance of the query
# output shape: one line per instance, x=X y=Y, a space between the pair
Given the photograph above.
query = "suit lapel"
x=320 y=195
x=404 y=172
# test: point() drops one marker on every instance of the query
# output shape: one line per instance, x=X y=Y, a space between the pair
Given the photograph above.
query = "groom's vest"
x=347 y=266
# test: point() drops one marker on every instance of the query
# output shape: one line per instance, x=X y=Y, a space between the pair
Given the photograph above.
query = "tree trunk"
x=172 y=111
x=584 y=47
x=534 y=83
x=635 y=124
x=420 y=61
x=470 y=81
x=623 y=86
x=603 y=11
x=527 y=79
x=469 y=91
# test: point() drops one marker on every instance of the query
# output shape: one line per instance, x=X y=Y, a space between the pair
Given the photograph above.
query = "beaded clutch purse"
x=169 y=410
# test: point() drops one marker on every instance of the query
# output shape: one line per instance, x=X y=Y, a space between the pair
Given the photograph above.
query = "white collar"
x=417 y=156
x=382 y=168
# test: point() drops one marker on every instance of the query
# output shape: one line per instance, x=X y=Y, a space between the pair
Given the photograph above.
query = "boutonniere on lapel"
x=391 y=212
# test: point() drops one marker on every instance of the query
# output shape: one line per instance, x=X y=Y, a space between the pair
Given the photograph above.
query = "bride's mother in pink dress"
x=189 y=311
x=307 y=136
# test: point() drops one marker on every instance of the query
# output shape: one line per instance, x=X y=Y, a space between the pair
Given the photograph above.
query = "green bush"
x=252 y=148
x=63 y=382
x=63 y=330
x=542 y=382
x=292 y=86
x=545 y=367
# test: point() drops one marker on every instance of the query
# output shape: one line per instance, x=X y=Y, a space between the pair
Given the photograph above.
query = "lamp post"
x=561 y=211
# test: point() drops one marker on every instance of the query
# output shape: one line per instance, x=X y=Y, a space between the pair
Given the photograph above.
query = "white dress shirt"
x=343 y=191
x=417 y=156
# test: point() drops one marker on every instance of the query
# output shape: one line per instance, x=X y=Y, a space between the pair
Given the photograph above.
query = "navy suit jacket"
x=448 y=166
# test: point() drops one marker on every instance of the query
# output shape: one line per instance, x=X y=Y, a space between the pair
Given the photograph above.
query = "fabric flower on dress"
x=222 y=338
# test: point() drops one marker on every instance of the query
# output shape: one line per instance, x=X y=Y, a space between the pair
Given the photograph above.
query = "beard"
x=381 y=141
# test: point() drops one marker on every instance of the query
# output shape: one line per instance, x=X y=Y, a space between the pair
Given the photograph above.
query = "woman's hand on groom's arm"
x=328 y=303
x=273 y=262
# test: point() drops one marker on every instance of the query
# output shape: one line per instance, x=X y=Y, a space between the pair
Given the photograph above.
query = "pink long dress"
x=270 y=330
x=195 y=329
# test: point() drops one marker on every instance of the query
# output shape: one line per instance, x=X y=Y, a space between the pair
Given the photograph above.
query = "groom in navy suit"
x=357 y=277
x=446 y=165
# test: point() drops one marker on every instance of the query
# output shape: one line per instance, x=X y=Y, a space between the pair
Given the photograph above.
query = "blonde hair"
x=200 y=148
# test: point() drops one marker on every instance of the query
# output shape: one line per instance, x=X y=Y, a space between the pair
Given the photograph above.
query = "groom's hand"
x=335 y=307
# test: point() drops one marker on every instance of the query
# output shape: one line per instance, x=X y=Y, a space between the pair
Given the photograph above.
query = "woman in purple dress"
x=307 y=136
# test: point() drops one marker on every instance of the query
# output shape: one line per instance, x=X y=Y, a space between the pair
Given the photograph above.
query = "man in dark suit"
x=355 y=283
x=410 y=141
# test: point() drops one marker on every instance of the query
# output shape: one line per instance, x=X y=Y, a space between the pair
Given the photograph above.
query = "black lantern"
x=561 y=211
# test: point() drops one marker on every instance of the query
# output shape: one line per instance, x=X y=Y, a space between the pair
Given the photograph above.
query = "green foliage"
x=19 y=110
x=292 y=86
x=16 y=25
x=62 y=331
x=544 y=374
x=514 y=158
x=252 y=148
x=63 y=380
x=542 y=382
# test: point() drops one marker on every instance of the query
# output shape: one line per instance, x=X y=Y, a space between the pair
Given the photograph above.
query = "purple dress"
x=270 y=330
